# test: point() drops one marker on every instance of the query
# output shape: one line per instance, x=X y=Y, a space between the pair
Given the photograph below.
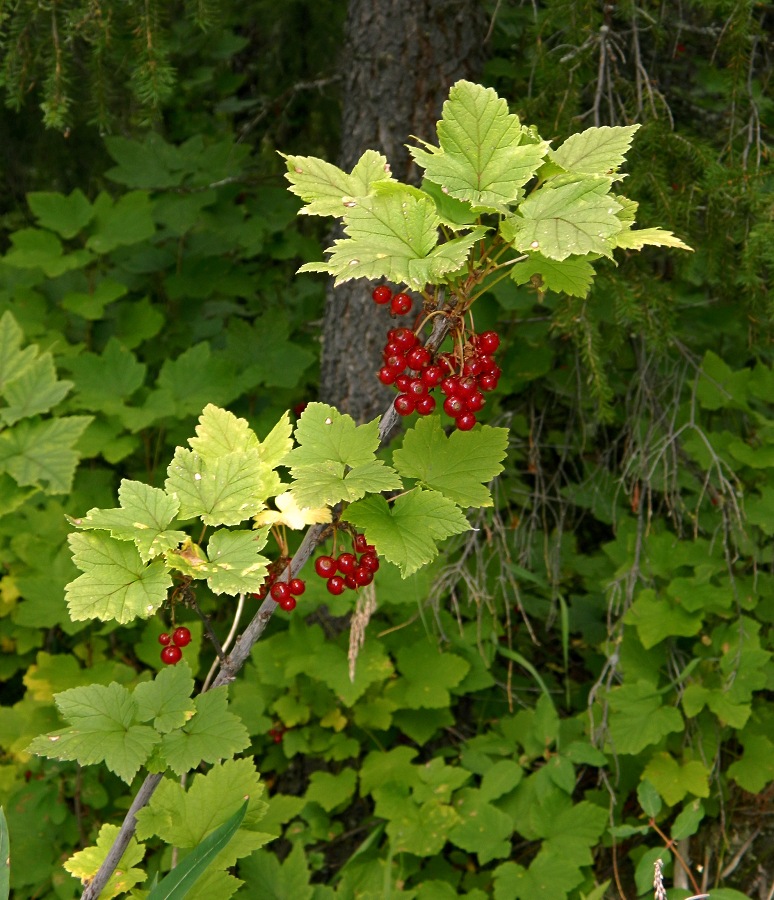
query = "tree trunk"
x=399 y=61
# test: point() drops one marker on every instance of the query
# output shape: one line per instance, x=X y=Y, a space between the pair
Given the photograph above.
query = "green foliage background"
x=606 y=633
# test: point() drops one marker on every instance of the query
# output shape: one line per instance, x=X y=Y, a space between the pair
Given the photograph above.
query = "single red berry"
x=418 y=358
x=447 y=362
x=349 y=581
x=336 y=585
x=473 y=366
x=279 y=591
x=171 y=655
x=404 y=405
x=466 y=387
x=381 y=294
x=416 y=388
x=402 y=382
x=387 y=375
x=362 y=576
x=325 y=566
x=164 y=639
x=288 y=603
x=425 y=405
x=297 y=586
x=405 y=339
x=432 y=375
x=466 y=421
x=181 y=637
x=360 y=543
x=474 y=402
x=262 y=592
x=401 y=304
x=397 y=362
x=488 y=365
x=370 y=562
x=453 y=406
x=488 y=382
x=487 y=342
x=346 y=563
x=449 y=385
x=392 y=348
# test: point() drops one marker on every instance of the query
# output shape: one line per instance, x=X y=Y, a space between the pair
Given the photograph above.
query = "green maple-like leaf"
x=571 y=276
x=212 y=734
x=549 y=877
x=428 y=676
x=483 y=829
x=326 y=189
x=13 y=360
x=408 y=532
x=183 y=818
x=143 y=517
x=36 y=390
x=116 y=583
x=330 y=482
x=673 y=781
x=566 y=219
x=85 y=863
x=638 y=718
x=485 y=155
x=220 y=432
x=595 y=151
x=167 y=699
x=102 y=729
x=232 y=564
x=636 y=239
x=277 y=442
x=394 y=235
x=224 y=490
x=323 y=435
x=456 y=465
x=41 y=454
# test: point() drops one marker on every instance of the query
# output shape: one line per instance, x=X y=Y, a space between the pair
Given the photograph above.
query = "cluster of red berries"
x=415 y=372
x=349 y=570
x=400 y=304
x=283 y=593
x=172 y=645
x=277 y=733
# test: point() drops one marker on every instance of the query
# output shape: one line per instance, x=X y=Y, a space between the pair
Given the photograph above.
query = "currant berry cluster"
x=400 y=304
x=277 y=733
x=349 y=570
x=172 y=645
x=283 y=593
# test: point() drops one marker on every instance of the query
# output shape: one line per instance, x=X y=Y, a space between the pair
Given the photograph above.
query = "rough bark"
x=399 y=61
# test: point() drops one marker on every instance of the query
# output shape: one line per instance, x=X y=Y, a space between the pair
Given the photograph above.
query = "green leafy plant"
x=498 y=205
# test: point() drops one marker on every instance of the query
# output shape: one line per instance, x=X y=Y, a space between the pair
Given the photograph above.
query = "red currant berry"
x=297 y=587
x=396 y=362
x=432 y=375
x=474 y=402
x=362 y=576
x=402 y=382
x=488 y=365
x=404 y=338
x=360 y=543
x=181 y=637
x=416 y=388
x=418 y=358
x=325 y=566
x=425 y=405
x=370 y=562
x=288 y=603
x=401 y=304
x=488 y=382
x=164 y=639
x=381 y=294
x=279 y=591
x=262 y=592
x=349 y=581
x=449 y=385
x=346 y=563
x=473 y=366
x=466 y=421
x=453 y=406
x=392 y=348
x=446 y=361
x=387 y=375
x=404 y=405
x=171 y=655
x=466 y=387
x=488 y=342
x=336 y=585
